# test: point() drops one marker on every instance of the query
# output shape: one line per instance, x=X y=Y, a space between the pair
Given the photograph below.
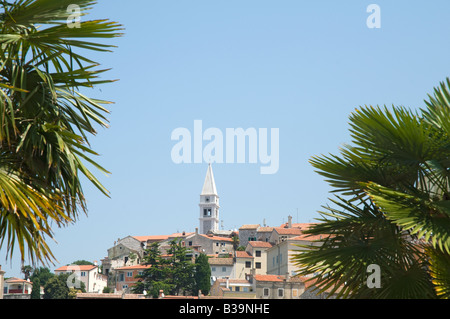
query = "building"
x=248 y=233
x=277 y=287
x=209 y=204
x=232 y=289
x=221 y=268
x=243 y=264
x=2 y=281
x=126 y=276
x=209 y=244
x=93 y=280
x=258 y=250
x=16 y=288
x=279 y=256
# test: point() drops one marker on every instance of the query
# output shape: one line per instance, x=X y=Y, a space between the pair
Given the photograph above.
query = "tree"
x=174 y=273
x=27 y=270
x=154 y=278
x=43 y=274
x=181 y=270
x=58 y=287
x=391 y=208
x=202 y=275
x=36 y=290
x=82 y=262
x=45 y=119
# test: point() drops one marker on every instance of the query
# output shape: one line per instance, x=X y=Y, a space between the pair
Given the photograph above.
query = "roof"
x=243 y=254
x=308 y=237
x=209 y=186
x=260 y=244
x=220 y=261
x=268 y=278
x=134 y=267
x=233 y=281
x=288 y=231
x=277 y=278
x=77 y=267
x=155 y=237
x=265 y=229
x=17 y=280
x=254 y=226
x=302 y=226
x=212 y=237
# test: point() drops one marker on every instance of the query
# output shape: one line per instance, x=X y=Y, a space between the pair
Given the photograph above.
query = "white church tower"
x=209 y=204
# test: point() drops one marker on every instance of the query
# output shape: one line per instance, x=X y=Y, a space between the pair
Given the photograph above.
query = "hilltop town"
x=251 y=262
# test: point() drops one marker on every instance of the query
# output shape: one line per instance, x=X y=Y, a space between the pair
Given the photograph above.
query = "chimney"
x=196 y=230
x=289 y=221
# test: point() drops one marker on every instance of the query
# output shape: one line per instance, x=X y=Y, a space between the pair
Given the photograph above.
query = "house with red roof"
x=90 y=275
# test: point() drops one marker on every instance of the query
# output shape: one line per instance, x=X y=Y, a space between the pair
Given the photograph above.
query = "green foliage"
x=43 y=274
x=36 y=290
x=45 y=120
x=202 y=275
x=173 y=273
x=82 y=262
x=392 y=205
x=57 y=288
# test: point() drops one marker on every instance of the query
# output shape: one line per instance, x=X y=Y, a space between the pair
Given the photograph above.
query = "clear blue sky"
x=300 y=66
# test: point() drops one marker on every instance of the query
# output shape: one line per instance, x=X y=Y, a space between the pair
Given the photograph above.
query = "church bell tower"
x=209 y=204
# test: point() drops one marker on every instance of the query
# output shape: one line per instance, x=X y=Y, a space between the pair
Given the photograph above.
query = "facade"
x=209 y=244
x=248 y=233
x=16 y=288
x=126 y=276
x=243 y=264
x=209 y=204
x=279 y=256
x=2 y=282
x=93 y=280
x=277 y=287
x=258 y=250
x=232 y=288
x=221 y=268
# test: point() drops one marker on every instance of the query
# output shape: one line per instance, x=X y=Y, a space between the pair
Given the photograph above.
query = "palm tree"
x=391 y=208
x=45 y=120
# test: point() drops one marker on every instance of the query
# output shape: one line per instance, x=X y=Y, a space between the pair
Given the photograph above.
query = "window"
x=83 y=274
x=258 y=265
x=190 y=243
x=266 y=292
x=207 y=199
x=207 y=212
x=280 y=292
x=129 y=274
x=224 y=269
x=258 y=253
x=124 y=287
x=237 y=289
x=121 y=277
x=248 y=264
x=140 y=273
x=213 y=268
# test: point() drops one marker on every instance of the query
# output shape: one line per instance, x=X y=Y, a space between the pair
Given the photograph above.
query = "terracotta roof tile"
x=243 y=254
x=254 y=226
x=76 y=267
x=261 y=244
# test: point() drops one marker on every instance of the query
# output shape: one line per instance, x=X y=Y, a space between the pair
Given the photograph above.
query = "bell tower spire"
x=209 y=204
